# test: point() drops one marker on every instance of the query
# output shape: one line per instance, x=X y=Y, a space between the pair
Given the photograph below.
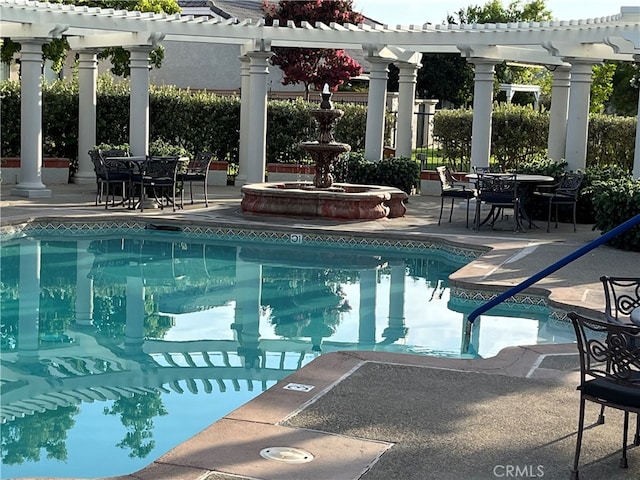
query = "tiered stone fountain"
x=322 y=197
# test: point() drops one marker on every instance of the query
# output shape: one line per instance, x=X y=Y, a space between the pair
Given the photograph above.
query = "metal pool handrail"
x=623 y=227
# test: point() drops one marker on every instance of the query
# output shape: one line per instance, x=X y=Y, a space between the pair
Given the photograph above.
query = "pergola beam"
x=104 y=40
x=88 y=22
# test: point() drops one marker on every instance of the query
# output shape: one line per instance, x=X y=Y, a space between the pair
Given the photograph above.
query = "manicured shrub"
x=611 y=141
x=614 y=202
x=194 y=121
x=594 y=178
x=520 y=134
x=543 y=166
x=400 y=172
x=452 y=131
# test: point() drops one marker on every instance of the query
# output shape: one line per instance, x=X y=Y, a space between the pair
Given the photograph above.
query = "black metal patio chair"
x=622 y=298
x=622 y=304
x=609 y=373
x=110 y=174
x=197 y=171
x=451 y=188
x=500 y=192
x=565 y=192
x=158 y=177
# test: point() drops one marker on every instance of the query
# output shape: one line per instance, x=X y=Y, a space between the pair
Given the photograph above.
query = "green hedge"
x=520 y=134
x=400 y=172
x=195 y=121
x=615 y=202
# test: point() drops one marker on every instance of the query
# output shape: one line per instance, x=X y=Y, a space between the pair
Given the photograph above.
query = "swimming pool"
x=132 y=342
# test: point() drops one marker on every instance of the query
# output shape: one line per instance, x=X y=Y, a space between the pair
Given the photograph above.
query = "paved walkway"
x=386 y=416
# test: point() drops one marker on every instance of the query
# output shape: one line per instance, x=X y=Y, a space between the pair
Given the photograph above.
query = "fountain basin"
x=341 y=200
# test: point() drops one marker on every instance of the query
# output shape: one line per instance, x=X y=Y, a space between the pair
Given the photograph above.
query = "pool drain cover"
x=286 y=454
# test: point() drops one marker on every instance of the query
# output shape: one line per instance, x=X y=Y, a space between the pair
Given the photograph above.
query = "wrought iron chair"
x=499 y=192
x=159 y=176
x=622 y=301
x=565 y=192
x=622 y=297
x=197 y=171
x=609 y=373
x=451 y=188
x=110 y=173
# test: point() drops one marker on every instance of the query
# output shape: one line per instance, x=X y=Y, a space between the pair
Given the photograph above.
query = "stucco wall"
x=207 y=66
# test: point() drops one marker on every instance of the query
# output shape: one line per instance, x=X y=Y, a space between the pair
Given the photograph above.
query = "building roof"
x=240 y=9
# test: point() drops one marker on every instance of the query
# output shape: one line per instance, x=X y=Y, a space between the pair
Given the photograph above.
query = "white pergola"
x=568 y=48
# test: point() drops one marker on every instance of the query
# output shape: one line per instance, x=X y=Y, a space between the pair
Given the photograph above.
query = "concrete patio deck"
x=386 y=416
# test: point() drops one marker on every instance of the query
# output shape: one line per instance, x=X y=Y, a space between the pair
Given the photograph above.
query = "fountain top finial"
x=325 y=104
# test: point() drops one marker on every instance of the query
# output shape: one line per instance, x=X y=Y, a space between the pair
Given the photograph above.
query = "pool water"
x=116 y=349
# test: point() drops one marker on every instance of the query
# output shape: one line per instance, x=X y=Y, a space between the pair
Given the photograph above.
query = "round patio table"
x=526 y=183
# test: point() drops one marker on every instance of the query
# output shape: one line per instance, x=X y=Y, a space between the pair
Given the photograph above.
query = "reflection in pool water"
x=115 y=350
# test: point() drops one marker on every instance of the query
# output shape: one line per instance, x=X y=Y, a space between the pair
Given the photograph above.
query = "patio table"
x=136 y=164
x=526 y=182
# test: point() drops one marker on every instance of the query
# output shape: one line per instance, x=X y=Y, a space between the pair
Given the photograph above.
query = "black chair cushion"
x=612 y=392
x=497 y=198
x=119 y=177
x=458 y=193
x=189 y=177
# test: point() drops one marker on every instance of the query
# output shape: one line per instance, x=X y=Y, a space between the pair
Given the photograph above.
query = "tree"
x=449 y=77
x=626 y=83
x=56 y=50
x=310 y=66
x=494 y=12
x=601 y=86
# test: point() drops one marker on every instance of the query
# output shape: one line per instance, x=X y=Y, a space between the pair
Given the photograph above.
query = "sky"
x=418 y=12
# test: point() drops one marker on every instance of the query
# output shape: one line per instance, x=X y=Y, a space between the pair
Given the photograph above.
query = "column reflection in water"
x=248 y=293
x=470 y=343
x=134 y=330
x=84 y=292
x=29 y=301
x=396 y=329
x=367 y=325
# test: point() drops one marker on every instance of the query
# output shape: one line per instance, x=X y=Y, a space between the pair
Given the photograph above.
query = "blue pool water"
x=117 y=348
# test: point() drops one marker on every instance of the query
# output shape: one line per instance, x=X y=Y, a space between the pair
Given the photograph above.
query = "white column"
x=407 y=94
x=374 y=139
x=578 y=118
x=87 y=76
x=84 y=289
x=428 y=114
x=482 y=112
x=367 y=309
x=245 y=113
x=557 y=139
x=139 y=101
x=30 y=178
x=636 y=155
x=256 y=138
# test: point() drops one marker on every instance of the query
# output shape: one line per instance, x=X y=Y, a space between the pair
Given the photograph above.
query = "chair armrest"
x=465 y=185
